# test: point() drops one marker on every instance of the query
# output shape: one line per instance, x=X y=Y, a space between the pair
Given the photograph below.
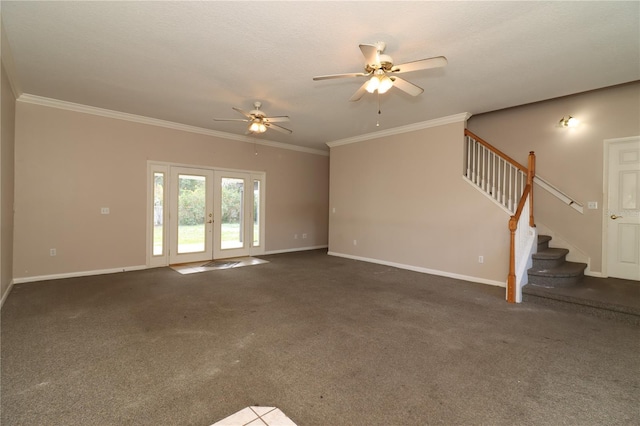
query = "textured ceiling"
x=187 y=62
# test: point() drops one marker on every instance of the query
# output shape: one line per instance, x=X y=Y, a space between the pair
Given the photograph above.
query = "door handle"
x=210 y=221
x=614 y=217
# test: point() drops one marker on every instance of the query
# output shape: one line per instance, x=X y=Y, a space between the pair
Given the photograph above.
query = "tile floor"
x=237 y=262
x=256 y=416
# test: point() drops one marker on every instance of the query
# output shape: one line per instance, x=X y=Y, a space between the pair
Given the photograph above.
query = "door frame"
x=165 y=167
x=607 y=143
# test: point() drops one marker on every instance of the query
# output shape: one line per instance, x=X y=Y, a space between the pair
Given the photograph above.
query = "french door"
x=191 y=217
x=237 y=202
x=197 y=214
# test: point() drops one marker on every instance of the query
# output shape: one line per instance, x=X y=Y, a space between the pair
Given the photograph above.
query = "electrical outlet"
x=592 y=205
x=480 y=259
x=304 y=236
x=355 y=242
x=104 y=210
x=52 y=252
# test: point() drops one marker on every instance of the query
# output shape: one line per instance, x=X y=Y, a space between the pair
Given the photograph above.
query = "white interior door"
x=234 y=214
x=191 y=215
x=623 y=229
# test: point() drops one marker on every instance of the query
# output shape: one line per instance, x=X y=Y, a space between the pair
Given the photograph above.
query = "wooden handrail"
x=495 y=150
x=518 y=213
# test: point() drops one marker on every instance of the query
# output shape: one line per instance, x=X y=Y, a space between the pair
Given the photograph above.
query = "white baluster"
x=468 y=142
x=473 y=162
x=504 y=183
x=499 y=191
x=484 y=169
x=510 y=187
x=493 y=175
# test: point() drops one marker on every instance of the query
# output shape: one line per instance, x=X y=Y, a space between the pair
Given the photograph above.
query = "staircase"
x=550 y=268
x=555 y=282
x=509 y=184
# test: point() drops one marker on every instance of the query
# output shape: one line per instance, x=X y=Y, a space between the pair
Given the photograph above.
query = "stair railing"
x=510 y=185
x=571 y=202
x=493 y=172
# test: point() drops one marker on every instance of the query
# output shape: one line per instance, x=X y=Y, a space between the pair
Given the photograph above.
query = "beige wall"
x=570 y=159
x=70 y=164
x=7 y=140
x=404 y=200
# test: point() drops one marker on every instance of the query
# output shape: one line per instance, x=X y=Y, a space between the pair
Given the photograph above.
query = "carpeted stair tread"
x=543 y=239
x=551 y=253
x=567 y=269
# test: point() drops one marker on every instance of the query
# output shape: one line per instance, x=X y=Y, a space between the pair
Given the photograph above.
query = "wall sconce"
x=569 y=122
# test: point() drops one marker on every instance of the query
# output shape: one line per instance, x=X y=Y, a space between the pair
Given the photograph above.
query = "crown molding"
x=456 y=118
x=86 y=109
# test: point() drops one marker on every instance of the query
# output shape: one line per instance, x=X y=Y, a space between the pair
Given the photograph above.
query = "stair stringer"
x=575 y=254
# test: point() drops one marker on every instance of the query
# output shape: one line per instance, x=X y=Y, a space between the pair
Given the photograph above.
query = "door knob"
x=211 y=221
x=614 y=217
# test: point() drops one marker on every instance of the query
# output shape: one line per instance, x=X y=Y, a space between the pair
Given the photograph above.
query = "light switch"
x=592 y=205
x=104 y=210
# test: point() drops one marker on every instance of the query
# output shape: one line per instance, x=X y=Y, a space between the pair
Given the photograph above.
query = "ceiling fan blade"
x=278 y=128
x=422 y=64
x=246 y=114
x=276 y=119
x=330 y=76
x=407 y=87
x=230 y=119
x=370 y=53
x=360 y=92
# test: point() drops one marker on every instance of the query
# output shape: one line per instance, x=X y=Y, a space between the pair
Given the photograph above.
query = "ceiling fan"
x=258 y=121
x=382 y=71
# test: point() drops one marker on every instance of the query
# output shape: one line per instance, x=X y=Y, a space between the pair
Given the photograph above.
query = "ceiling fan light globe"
x=374 y=83
x=255 y=127
x=385 y=84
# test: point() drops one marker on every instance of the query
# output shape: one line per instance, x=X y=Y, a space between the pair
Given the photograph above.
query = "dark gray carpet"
x=329 y=341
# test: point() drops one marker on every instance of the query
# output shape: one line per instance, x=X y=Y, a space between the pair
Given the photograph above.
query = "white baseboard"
x=594 y=274
x=294 y=250
x=423 y=270
x=77 y=274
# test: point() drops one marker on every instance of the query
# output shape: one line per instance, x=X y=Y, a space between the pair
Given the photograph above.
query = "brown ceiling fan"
x=383 y=72
x=258 y=121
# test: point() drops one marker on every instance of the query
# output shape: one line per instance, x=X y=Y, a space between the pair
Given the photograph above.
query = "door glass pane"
x=232 y=214
x=256 y=213
x=191 y=213
x=158 y=213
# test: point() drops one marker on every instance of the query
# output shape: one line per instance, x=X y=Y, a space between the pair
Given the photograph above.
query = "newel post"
x=531 y=173
x=511 y=280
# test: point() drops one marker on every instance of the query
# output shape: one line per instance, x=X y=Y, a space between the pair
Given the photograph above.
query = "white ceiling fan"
x=258 y=121
x=382 y=71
